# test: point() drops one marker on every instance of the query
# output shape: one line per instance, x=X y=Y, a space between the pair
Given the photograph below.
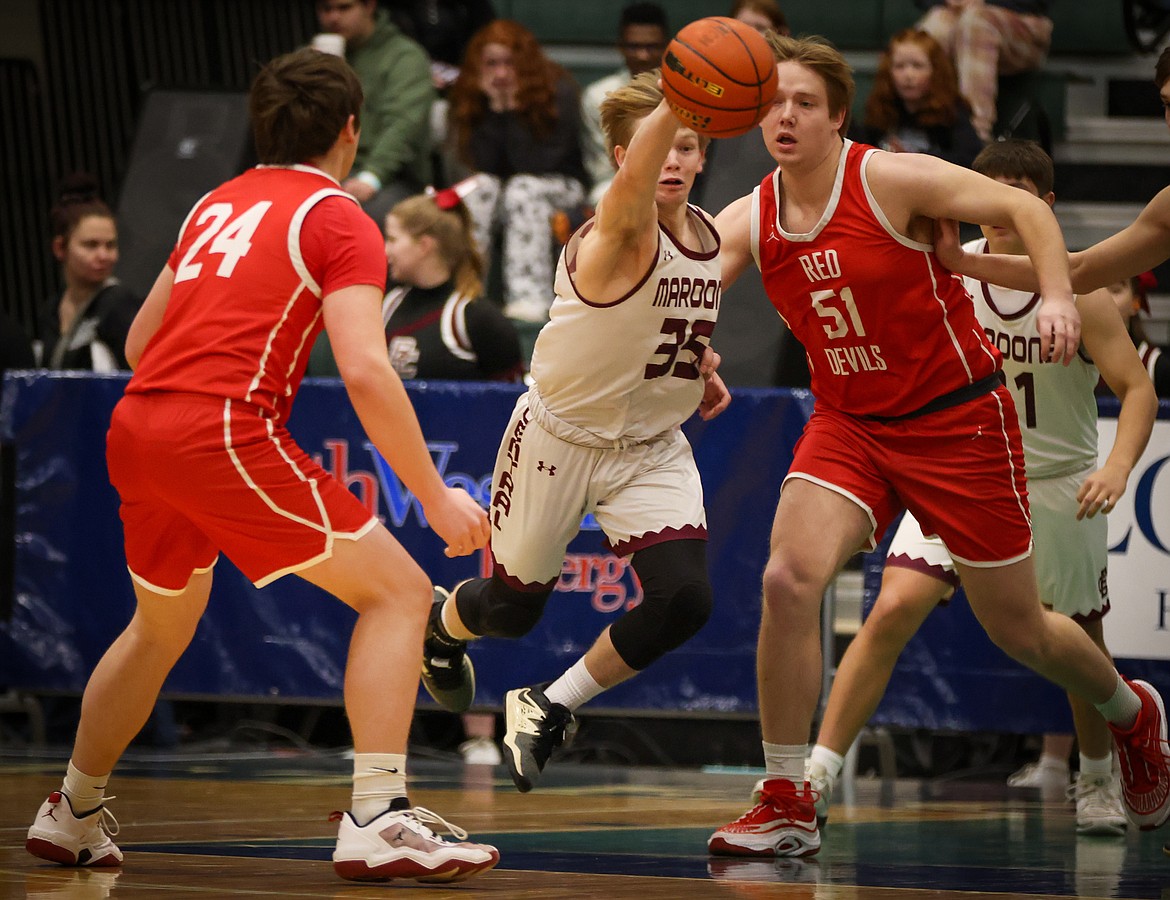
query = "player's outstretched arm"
x=624 y=238
x=1109 y=346
x=1139 y=247
x=354 y=322
x=1003 y=269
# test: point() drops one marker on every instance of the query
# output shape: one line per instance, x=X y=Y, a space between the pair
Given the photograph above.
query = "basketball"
x=719 y=76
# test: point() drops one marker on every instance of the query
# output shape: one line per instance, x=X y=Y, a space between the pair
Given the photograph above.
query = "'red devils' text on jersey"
x=855 y=300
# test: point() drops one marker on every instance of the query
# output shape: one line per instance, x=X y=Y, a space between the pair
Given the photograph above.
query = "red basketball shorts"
x=198 y=476
x=959 y=470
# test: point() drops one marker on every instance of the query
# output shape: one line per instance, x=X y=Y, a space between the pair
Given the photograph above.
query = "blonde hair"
x=822 y=58
x=623 y=108
x=451 y=229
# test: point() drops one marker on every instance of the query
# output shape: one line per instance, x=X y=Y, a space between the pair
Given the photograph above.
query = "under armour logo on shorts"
x=541 y=467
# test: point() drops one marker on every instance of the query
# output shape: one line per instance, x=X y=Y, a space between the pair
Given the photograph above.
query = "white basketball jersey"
x=628 y=369
x=1056 y=404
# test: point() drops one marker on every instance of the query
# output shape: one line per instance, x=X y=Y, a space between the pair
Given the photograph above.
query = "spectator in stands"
x=642 y=39
x=443 y=27
x=85 y=326
x=515 y=119
x=1131 y=297
x=914 y=106
x=762 y=15
x=986 y=39
x=439 y=325
x=394 y=154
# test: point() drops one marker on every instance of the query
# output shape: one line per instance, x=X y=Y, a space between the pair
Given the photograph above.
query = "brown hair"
x=821 y=57
x=623 y=108
x=1162 y=69
x=299 y=103
x=536 y=74
x=1016 y=158
x=77 y=199
x=451 y=228
x=941 y=102
x=770 y=9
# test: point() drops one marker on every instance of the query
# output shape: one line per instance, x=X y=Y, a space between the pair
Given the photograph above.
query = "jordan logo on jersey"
x=541 y=466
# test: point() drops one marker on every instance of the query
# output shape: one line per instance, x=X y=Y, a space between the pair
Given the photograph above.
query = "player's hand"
x=709 y=362
x=1059 y=325
x=1100 y=492
x=716 y=397
x=715 y=393
x=459 y=521
x=946 y=243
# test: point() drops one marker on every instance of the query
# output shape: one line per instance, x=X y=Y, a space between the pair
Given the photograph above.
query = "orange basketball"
x=719 y=76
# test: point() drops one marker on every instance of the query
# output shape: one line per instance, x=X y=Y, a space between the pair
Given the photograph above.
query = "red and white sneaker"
x=401 y=844
x=782 y=823
x=61 y=837
x=1144 y=757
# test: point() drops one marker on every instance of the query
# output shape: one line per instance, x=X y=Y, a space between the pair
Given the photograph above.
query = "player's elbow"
x=364 y=374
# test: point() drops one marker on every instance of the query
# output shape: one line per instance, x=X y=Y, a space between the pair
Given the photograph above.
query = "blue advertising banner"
x=287 y=641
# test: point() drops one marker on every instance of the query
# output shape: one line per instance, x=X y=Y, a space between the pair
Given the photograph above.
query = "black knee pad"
x=676 y=602
x=489 y=606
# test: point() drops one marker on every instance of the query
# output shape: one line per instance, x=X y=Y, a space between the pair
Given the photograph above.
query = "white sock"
x=1095 y=768
x=1123 y=707
x=1047 y=761
x=85 y=792
x=378 y=780
x=830 y=760
x=575 y=687
x=785 y=761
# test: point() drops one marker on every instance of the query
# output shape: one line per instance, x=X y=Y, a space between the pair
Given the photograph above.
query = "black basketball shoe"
x=535 y=727
x=447 y=672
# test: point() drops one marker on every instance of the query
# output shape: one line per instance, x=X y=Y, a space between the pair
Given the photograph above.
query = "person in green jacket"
x=394 y=153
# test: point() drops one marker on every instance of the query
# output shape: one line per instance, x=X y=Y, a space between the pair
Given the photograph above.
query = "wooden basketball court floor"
x=255 y=825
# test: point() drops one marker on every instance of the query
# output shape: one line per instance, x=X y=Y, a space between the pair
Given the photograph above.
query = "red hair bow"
x=449 y=198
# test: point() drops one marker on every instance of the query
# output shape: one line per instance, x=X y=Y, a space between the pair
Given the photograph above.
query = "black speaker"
x=186 y=143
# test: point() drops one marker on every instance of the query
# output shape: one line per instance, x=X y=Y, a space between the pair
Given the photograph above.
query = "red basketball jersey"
x=886 y=328
x=253 y=260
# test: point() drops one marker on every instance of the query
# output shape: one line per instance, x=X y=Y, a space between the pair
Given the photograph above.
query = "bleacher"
x=72 y=99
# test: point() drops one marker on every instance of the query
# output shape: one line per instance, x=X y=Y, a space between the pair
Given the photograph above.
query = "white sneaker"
x=1040 y=775
x=480 y=751
x=1099 y=809
x=61 y=837
x=822 y=783
x=400 y=844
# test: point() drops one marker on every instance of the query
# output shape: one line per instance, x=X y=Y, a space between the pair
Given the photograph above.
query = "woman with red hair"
x=515 y=118
x=915 y=105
